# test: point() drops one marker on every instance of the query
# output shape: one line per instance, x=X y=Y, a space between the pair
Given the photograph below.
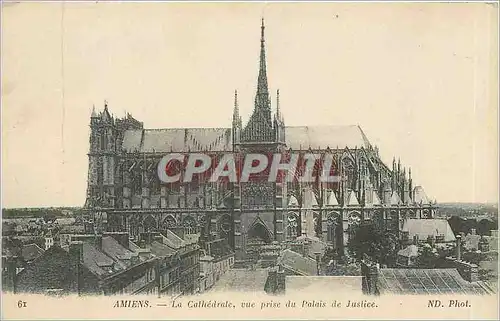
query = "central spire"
x=262 y=97
x=260 y=126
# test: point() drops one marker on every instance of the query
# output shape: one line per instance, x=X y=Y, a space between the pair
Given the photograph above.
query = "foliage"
x=463 y=225
x=380 y=246
x=12 y=244
x=474 y=257
x=427 y=256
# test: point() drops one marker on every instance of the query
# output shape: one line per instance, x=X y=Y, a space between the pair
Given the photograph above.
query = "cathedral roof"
x=177 y=140
x=321 y=137
x=219 y=139
x=428 y=227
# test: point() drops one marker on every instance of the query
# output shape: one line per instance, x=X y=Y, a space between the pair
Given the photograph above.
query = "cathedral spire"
x=262 y=96
x=278 y=114
x=260 y=126
x=236 y=111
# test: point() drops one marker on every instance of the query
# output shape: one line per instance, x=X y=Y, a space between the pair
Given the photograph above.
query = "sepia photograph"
x=271 y=159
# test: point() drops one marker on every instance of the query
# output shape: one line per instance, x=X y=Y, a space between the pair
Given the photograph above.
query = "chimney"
x=484 y=245
x=98 y=242
x=76 y=251
x=458 y=247
x=318 y=262
x=76 y=258
x=474 y=273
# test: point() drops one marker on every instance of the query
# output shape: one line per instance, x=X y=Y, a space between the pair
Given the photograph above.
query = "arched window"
x=317 y=223
x=259 y=233
x=169 y=222
x=331 y=224
x=149 y=224
x=189 y=225
x=349 y=172
x=354 y=220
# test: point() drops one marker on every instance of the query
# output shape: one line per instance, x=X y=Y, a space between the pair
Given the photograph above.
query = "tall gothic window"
x=149 y=224
x=349 y=171
x=189 y=225
x=354 y=220
x=331 y=224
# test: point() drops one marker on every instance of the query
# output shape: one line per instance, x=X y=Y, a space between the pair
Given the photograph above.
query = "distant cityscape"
x=374 y=230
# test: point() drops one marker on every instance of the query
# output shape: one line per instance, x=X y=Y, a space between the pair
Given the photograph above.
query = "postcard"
x=272 y=160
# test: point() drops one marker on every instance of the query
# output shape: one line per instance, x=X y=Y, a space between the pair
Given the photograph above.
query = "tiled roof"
x=426 y=281
x=297 y=263
x=117 y=252
x=72 y=229
x=321 y=137
x=242 y=280
x=177 y=140
x=160 y=249
x=173 y=240
x=425 y=227
x=219 y=139
x=323 y=284
x=96 y=261
x=31 y=251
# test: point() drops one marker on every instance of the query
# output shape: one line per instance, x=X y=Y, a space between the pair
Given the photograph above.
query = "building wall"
x=55 y=269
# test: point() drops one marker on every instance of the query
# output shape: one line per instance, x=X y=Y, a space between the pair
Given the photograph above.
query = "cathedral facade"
x=125 y=194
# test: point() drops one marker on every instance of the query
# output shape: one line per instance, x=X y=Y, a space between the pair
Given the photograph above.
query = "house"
x=407 y=256
x=294 y=263
x=459 y=277
x=215 y=263
x=97 y=264
x=187 y=253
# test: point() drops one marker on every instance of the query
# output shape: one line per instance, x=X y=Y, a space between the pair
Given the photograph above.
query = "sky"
x=420 y=79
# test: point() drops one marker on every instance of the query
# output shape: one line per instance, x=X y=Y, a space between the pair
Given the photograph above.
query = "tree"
x=457 y=224
x=380 y=246
x=427 y=256
x=485 y=226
